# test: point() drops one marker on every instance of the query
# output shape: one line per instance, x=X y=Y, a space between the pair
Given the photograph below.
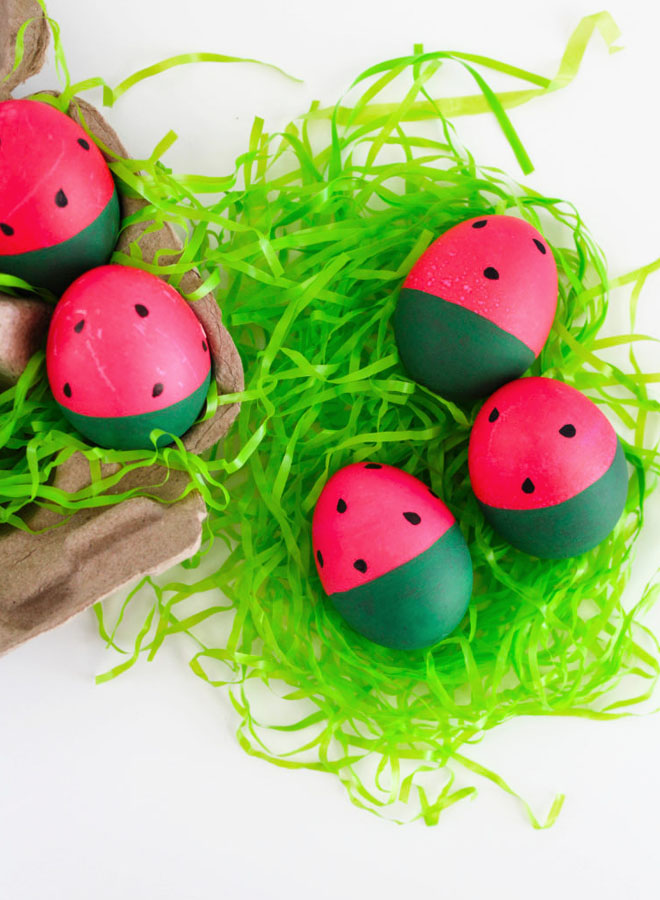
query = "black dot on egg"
x=373 y=466
x=480 y=224
x=205 y=346
x=341 y=506
x=528 y=486
x=491 y=273
x=360 y=565
x=319 y=556
x=141 y=310
x=61 y=199
x=157 y=389
x=494 y=414
x=78 y=327
x=540 y=246
x=412 y=517
x=83 y=143
x=6 y=229
x=567 y=431
x=67 y=389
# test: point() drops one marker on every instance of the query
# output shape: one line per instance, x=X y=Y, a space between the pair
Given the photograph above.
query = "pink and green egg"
x=59 y=211
x=125 y=355
x=477 y=307
x=391 y=556
x=547 y=468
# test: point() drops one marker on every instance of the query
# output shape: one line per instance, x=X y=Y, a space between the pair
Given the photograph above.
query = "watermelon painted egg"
x=391 y=556
x=126 y=354
x=547 y=468
x=477 y=307
x=59 y=212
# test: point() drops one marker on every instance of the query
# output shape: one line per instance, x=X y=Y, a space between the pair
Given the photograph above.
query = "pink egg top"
x=123 y=342
x=497 y=266
x=54 y=181
x=371 y=518
x=538 y=442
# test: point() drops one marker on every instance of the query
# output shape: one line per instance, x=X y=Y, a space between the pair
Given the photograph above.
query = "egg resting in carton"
x=50 y=576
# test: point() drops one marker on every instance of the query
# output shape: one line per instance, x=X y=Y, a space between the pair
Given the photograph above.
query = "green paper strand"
x=306 y=243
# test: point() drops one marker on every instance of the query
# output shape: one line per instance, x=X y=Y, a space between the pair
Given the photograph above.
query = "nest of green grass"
x=307 y=243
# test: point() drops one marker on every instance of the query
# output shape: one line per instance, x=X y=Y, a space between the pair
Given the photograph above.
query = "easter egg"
x=547 y=468
x=391 y=556
x=127 y=354
x=477 y=307
x=59 y=212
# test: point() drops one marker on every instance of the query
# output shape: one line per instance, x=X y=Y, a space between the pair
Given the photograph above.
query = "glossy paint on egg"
x=126 y=354
x=547 y=468
x=477 y=307
x=391 y=556
x=59 y=212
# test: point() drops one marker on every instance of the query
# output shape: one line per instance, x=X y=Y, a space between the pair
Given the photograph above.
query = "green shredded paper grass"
x=306 y=244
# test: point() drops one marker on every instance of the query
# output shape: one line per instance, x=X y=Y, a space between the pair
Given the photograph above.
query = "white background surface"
x=138 y=788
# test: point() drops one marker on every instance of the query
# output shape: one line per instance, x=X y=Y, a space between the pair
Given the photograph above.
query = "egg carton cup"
x=51 y=576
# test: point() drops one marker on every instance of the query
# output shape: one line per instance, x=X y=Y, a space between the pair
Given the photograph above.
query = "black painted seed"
x=494 y=414
x=61 y=199
x=413 y=518
x=141 y=310
x=491 y=273
x=204 y=346
x=341 y=506
x=158 y=389
x=83 y=143
x=373 y=466
x=67 y=389
x=78 y=327
x=319 y=557
x=540 y=245
x=480 y=224
x=360 y=565
x=528 y=486
x=6 y=229
x=567 y=431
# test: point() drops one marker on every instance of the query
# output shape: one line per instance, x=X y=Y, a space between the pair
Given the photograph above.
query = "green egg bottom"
x=56 y=267
x=416 y=604
x=453 y=351
x=571 y=527
x=132 y=432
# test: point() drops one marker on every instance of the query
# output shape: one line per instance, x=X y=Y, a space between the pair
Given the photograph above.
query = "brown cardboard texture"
x=13 y=13
x=23 y=329
x=50 y=576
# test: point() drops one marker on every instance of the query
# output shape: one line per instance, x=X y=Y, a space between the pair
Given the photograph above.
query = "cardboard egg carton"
x=76 y=561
